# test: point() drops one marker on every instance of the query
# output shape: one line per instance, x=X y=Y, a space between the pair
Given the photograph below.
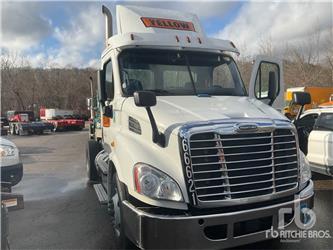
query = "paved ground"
x=62 y=212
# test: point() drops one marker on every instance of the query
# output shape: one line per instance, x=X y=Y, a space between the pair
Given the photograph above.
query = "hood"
x=171 y=110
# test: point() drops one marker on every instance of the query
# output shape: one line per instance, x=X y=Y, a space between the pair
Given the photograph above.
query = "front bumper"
x=212 y=231
x=12 y=174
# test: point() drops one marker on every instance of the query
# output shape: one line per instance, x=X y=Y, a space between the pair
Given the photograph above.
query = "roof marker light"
x=177 y=39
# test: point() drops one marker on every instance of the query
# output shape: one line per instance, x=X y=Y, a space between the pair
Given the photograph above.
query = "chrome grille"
x=236 y=166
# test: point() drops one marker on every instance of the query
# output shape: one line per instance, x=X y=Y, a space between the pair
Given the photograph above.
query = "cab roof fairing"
x=133 y=32
x=129 y=20
x=165 y=41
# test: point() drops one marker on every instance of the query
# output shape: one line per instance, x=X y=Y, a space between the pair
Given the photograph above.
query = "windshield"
x=179 y=73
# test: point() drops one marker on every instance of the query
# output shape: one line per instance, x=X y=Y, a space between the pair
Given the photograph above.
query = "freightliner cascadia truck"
x=188 y=158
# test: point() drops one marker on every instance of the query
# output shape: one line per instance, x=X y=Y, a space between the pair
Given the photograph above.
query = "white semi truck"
x=188 y=158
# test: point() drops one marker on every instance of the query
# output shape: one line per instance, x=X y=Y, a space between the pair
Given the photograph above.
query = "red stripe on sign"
x=167 y=24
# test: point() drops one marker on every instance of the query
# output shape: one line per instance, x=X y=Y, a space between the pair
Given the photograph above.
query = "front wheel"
x=120 y=239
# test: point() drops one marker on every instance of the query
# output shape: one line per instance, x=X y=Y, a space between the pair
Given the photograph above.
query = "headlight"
x=6 y=150
x=155 y=184
x=304 y=168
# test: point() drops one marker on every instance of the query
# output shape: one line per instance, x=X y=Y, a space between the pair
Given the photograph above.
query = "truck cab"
x=188 y=157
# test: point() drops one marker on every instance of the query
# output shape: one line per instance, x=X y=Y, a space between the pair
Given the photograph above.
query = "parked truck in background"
x=62 y=119
x=24 y=123
x=188 y=158
x=319 y=95
x=328 y=104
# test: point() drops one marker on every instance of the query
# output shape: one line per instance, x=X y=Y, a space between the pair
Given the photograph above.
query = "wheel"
x=93 y=148
x=117 y=194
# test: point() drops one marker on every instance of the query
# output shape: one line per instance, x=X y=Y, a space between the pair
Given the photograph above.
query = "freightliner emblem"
x=247 y=127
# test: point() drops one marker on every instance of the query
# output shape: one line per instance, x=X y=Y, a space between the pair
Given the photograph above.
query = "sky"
x=71 y=34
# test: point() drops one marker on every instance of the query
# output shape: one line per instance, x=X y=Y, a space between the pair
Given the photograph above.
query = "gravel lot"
x=62 y=212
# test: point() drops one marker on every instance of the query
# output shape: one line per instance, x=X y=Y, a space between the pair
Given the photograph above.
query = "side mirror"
x=301 y=98
x=144 y=98
x=108 y=111
x=147 y=99
x=101 y=87
x=271 y=87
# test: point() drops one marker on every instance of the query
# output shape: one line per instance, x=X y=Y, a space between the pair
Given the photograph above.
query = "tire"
x=93 y=148
x=118 y=195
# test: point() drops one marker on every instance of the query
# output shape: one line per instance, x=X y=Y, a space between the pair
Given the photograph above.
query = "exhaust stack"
x=108 y=23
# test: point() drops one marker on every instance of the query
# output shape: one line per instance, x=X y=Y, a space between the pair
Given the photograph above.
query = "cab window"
x=324 y=122
x=109 y=84
x=308 y=121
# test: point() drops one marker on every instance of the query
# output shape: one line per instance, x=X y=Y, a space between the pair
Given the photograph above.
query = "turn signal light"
x=106 y=121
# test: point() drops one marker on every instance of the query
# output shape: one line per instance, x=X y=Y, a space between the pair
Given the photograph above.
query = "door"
x=304 y=127
x=266 y=69
x=320 y=147
x=107 y=113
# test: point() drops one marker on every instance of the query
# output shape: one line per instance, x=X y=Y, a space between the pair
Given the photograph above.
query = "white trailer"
x=49 y=114
x=188 y=158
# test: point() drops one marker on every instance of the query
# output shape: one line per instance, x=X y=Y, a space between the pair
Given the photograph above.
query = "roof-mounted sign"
x=167 y=24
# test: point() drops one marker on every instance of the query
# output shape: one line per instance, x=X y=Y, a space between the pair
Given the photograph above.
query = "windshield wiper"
x=191 y=77
x=159 y=91
x=204 y=95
